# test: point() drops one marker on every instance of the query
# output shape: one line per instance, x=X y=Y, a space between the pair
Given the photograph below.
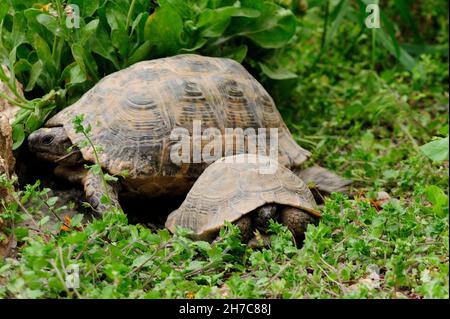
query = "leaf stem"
x=374 y=35
x=325 y=31
x=14 y=102
x=414 y=143
x=130 y=13
x=7 y=80
x=97 y=161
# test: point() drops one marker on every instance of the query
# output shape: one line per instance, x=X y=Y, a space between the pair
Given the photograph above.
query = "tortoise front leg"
x=95 y=190
x=245 y=226
x=296 y=221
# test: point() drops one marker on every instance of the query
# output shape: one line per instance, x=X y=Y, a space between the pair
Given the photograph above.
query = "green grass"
x=366 y=124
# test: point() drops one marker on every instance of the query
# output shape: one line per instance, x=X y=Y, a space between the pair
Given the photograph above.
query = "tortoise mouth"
x=74 y=157
x=69 y=159
x=48 y=156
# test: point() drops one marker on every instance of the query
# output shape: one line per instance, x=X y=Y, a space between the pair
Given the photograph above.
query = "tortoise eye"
x=47 y=140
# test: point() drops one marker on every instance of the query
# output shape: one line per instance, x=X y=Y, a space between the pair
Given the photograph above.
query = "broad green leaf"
x=138 y=26
x=52 y=201
x=33 y=24
x=136 y=21
x=436 y=196
x=76 y=238
x=278 y=73
x=55 y=284
x=272 y=29
x=33 y=122
x=50 y=22
x=120 y=41
x=185 y=9
x=18 y=135
x=44 y=54
x=88 y=31
x=11 y=60
x=44 y=221
x=213 y=22
x=437 y=150
x=197 y=46
x=35 y=73
x=142 y=261
x=22 y=66
x=116 y=16
x=87 y=7
x=19 y=28
x=101 y=44
x=85 y=61
x=140 y=53
x=73 y=74
x=239 y=53
x=164 y=29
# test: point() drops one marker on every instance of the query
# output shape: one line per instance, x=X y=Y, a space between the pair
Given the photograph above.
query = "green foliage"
x=436 y=150
x=50 y=51
x=355 y=252
x=386 y=38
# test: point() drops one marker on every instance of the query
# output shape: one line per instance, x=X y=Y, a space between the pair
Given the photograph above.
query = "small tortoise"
x=134 y=112
x=238 y=190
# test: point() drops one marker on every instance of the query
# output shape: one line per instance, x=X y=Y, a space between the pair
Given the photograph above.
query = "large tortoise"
x=237 y=189
x=134 y=112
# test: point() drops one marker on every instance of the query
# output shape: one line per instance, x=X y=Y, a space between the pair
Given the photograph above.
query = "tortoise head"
x=52 y=144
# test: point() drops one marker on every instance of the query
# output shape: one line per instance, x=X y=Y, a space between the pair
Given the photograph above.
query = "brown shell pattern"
x=227 y=191
x=133 y=112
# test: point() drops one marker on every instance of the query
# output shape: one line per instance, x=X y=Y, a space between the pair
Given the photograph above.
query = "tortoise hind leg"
x=95 y=191
x=323 y=181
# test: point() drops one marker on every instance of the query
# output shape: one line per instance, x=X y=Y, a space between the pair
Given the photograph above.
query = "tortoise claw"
x=94 y=190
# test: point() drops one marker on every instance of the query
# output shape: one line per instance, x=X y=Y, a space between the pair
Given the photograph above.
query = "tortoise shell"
x=133 y=112
x=234 y=186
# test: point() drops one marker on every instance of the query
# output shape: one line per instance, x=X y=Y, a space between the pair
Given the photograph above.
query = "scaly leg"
x=323 y=182
x=245 y=226
x=95 y=190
